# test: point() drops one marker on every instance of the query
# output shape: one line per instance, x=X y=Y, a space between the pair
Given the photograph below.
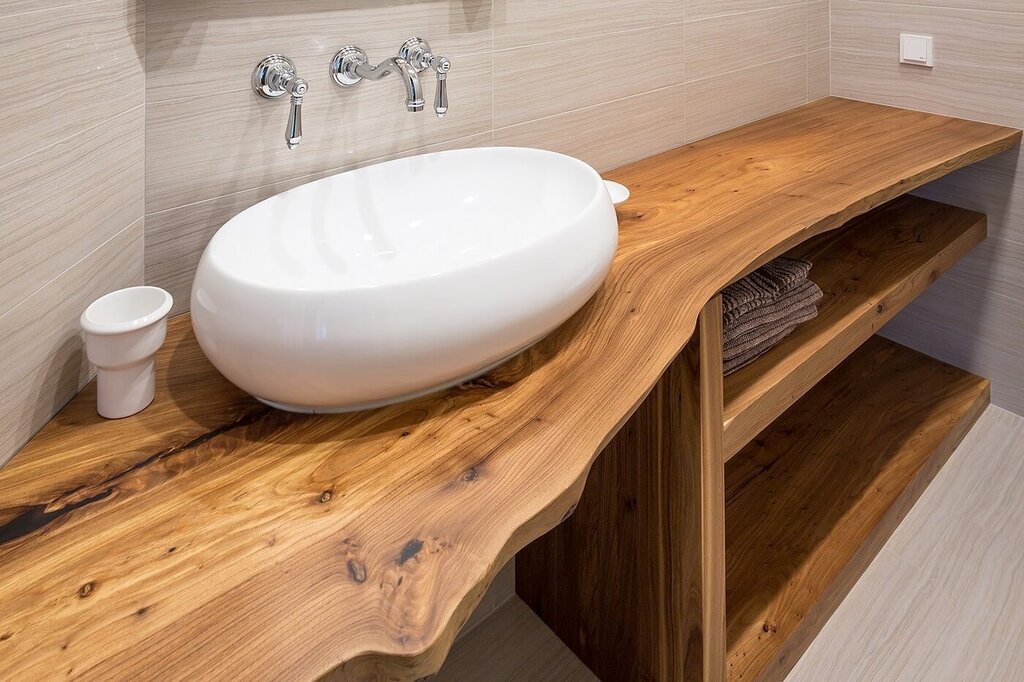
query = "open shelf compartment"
x=868 y=270
x=811 y=500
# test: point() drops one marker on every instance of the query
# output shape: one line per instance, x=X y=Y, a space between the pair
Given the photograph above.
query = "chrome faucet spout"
x=408 y=74
x=351 y=67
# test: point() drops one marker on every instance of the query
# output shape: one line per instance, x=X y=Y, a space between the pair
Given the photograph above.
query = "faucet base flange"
x=343 y=66
x=267 y=78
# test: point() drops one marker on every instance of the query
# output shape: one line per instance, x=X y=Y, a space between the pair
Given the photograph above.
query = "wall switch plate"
x=915 y=49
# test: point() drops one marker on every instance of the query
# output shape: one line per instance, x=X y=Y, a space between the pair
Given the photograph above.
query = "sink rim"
x=349 y=348
x=234 y=229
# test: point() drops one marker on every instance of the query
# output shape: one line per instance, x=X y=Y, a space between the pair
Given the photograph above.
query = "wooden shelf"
x=812 y=499
x=868 y=271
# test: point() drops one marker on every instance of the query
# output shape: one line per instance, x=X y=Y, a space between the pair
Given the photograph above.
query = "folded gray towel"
x=762 y=286
x=770 y=316
x=744 y=359
x=763 y=308
x=755 y=344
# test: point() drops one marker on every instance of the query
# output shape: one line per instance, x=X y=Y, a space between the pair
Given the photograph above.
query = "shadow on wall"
x=137 y=17
x=976 y=297
x=66 y=372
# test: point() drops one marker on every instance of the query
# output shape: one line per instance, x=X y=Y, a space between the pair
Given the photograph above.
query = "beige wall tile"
x=528 y=22
x=62 y=202
x=42 y=359
x=84 y=64
x=196 y=47
x=175 y=239
x=818 y=24
x=526 y=86
x=988 y=187
x=197 y=177
x=983 y=39
x=968 y=91
x=971 y=316
x=702 y=9
x=8 y=7
x=240 y=144
x=818 y=84
x=724 y=102
x=978 y=330
x=738 y=41
x=610 y=134
x=995 y=266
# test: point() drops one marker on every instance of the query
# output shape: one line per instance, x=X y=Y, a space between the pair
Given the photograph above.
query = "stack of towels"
x=761 y=309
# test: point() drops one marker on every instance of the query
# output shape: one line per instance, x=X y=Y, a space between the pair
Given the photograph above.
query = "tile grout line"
x=904 y=3
x=71 y=267
x=321 y=173
x=773 y=8
x=65 y=6
x=69 y=138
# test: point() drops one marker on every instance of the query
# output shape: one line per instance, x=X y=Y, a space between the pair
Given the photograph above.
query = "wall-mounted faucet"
x=274 y=77
x=351 y=66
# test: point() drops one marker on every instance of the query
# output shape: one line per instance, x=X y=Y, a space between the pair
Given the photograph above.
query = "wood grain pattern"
x=634 y=581
x=210 y=535
x=959 y=550
x=869 y=270
x=812 y=500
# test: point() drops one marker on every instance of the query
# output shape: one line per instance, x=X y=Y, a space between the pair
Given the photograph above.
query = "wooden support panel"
x=868 y=271
x=813 y=498
x=634 y=581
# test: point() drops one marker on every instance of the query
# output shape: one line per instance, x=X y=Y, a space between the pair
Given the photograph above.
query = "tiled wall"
x=605 y=80
x=71 y=192
x=138 y=136
x=974 y=316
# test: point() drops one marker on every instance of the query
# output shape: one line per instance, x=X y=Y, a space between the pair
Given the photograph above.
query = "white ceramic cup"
x=123 y=331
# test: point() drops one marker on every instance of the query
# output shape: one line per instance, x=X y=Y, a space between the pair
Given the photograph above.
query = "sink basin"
x=391 y=281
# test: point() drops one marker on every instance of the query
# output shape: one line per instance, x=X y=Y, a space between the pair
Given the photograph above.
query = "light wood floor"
x=943 y=601
x=512 y=645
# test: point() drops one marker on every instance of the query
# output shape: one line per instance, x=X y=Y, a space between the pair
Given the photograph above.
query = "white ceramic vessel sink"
x=391 y=281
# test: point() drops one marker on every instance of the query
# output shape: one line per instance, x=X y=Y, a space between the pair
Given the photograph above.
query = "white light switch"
x=915 y=49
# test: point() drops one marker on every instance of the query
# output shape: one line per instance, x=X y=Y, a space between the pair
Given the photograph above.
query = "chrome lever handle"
x=275 y=77
x=442 y=66
x=293 y=133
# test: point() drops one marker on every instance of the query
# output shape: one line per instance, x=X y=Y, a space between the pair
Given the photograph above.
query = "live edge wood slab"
x=210 y=536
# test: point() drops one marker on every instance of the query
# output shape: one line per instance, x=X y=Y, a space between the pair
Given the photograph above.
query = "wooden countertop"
x=211 y=536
